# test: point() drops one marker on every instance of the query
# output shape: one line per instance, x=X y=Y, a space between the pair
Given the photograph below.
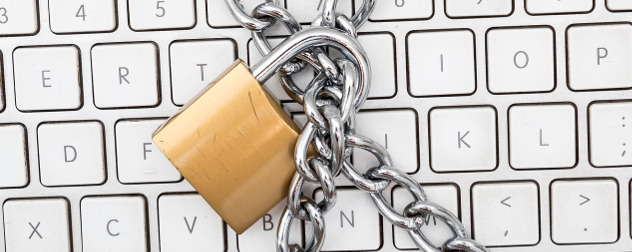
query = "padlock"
x=234 y=144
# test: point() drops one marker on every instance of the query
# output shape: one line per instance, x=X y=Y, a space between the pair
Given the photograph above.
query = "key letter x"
x=35 y=230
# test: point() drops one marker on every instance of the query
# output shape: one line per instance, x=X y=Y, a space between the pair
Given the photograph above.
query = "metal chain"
x=331 y=101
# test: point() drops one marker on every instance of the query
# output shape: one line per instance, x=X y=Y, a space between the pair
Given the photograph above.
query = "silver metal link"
x=245 y=20
x=331 y=101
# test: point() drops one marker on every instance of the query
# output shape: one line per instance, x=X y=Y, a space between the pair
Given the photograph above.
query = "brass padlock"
x=234 y=143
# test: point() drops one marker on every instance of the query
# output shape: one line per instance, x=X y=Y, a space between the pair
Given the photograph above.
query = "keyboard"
x=514 y=114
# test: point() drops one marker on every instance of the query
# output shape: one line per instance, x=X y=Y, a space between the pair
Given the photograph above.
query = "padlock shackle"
x=309 y=38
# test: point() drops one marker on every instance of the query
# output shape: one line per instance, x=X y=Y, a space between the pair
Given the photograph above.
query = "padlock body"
x=235 y=145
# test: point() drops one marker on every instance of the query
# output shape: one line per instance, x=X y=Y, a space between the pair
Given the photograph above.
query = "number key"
x=77 y=16
x=18 y=17
x=387 y=10
x=478 y=8
x=161 y=14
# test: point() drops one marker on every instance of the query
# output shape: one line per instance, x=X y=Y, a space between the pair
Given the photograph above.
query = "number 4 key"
x=78 y=16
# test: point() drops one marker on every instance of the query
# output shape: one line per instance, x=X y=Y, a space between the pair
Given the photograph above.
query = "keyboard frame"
x=402 y=99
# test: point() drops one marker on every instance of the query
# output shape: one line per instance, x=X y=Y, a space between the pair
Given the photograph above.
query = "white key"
x=161 y=14
x=273 y=85
x=114 y=224
x=394 y=130
x=435 y=230
x=611 y=134
x=47 y=78
x=520 y=60
x=619 y=5
x=401 y=9
x=506 y=214
x=557 y=7
x=463 y=139
x=188 y=223
x=352 y=224
x=13 y=169
x=138 y=159
x=72 y=16
x=599 y=56
x=380 y=48
x=125 y=75
x=306 y=10
x=542 y=136
x=261 y=236
x=584 y=211
x=71 y=153
x=196 y=64
x=478 y=8
x=220 y=16
x=441 y=63
x=18 y=17
x=37 y=225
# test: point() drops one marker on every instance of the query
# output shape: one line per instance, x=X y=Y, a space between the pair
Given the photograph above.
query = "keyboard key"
x=188 y=223
x=394 y=130
x=441 y=63
x=434 y=229
x=599 y=56
x=273 y=85
x=542 y=136
x=138 y=159
x=305 y=11
x=506 y=214
x=558 y=7
x=161 y=14
x=463 y=139
x=478 y=8
x=261 y=236
x=520 y=60
x=114 y=223
x=401 y=10
x=47 y=78
x=220 y=16
x=13 y=170
x=71 y=153
x=619 y=5
x=18 y=17
x=610 y=134
x=584 y=211
x=380 y=48
x=37 y=225
x=196 y=64
x=125 y=75
x=352 y=224
x=76 y=16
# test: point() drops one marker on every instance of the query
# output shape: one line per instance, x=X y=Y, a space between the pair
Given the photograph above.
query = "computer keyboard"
x=514 y=114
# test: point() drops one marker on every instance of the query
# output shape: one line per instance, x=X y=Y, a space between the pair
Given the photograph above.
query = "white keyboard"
x=514 y=114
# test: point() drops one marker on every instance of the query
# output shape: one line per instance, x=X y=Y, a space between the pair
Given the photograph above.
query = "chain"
x=331 y=101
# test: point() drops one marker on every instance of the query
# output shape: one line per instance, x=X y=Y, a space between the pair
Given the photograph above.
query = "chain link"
x=331 y=101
